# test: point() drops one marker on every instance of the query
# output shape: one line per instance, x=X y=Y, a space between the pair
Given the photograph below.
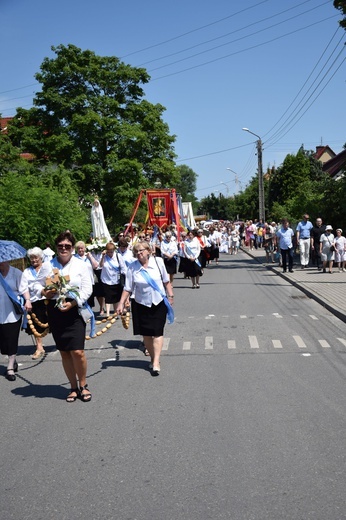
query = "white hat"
x=329 y=228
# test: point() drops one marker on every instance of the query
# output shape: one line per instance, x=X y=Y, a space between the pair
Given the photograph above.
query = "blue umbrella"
x=10 y=250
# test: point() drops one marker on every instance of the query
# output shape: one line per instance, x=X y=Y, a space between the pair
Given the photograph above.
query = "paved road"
x=247 y=420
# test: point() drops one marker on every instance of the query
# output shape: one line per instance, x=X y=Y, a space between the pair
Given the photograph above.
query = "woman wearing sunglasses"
x=65 y=322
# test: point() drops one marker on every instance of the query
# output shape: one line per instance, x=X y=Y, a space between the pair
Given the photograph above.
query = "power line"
x=225 y=35
x=318 y=95
x=237 y=39
x=193 y=30
x=243 y=50
x=297 y=110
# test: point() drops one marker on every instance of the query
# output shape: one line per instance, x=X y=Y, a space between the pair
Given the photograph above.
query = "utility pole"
x=261 y=208
x=260 y=181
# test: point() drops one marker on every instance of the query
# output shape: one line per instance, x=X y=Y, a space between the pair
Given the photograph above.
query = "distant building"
x=332 y=163
x=3 y=129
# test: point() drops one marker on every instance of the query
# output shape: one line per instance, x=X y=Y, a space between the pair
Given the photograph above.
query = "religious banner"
x=159 y=207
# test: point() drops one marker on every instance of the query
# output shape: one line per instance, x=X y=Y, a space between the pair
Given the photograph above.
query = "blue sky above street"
x=276 y=68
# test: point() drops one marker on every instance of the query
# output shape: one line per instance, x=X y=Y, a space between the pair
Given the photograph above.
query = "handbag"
x=122 y=277
x=332 y=247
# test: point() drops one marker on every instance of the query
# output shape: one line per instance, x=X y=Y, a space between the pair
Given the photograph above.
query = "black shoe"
x=291 y=271
x=284 y=270
x=302 y=266
x=10 y=377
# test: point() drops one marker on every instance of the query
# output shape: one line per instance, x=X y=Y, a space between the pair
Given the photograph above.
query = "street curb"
x=303 y=289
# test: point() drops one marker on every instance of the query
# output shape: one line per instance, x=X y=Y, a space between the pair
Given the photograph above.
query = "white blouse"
x=30 y=277
x=141 y=291
x=110 y=274
x=79 y=278
x=169 y=248
x=192 y=248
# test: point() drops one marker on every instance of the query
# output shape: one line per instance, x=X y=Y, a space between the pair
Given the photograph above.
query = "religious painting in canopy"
x=162 y=208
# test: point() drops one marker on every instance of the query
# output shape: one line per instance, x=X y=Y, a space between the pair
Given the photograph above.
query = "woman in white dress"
x=340 y=250
x=326 y=249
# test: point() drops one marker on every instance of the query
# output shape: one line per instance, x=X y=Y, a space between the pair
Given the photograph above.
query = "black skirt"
x=9 y=335
x=182 y=264
x=148 y=321
x=67 y=328
x=98 y=291
x=171 y=265
x=39 y=308
x=192 y=269
x=214 y=253
x=112 y=292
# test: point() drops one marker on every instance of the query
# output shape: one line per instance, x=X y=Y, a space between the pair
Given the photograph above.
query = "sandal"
x=146 y=352
x=38 y=354
x=72 y=398
x=84 y=397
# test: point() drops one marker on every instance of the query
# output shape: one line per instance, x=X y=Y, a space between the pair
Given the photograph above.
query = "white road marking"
x=242 y=316
x=343 y=341
x=253 y=342
x=313 y=317
x=208 y=344
x=299 y=341
x=187 y=345
x=277 y=343
x=324 y=343
x=166 y=343
x=231 y=343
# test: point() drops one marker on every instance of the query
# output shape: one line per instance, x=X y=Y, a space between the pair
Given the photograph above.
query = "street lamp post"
x=236 y=177
x=260 y=176
x=227 y=189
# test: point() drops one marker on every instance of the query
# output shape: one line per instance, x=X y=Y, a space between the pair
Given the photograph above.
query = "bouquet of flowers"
x=97 y=246
x=60 y=285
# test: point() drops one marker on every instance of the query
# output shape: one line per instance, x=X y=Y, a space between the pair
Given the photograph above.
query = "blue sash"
x=153 y=284
x=18 y=301
x=189 y=252
x=117 y=268
x=84 y=307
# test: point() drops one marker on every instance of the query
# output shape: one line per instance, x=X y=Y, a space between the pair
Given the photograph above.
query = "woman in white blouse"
x=169 y=253
x=65 y=322
x=149 y=310
x=38 y=270
x=10 y=320
x=192 y=250
x=113 y=265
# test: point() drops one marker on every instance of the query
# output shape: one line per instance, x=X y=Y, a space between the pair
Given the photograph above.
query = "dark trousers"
x=287 y=253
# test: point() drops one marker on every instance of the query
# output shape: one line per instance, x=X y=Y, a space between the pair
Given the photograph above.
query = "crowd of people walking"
x=136 y=270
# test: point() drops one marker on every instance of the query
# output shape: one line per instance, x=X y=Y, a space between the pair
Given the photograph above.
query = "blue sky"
x=274 y=67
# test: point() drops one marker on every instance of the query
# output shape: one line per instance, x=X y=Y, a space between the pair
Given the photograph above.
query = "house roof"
x=320 y=150
x=336 y=164
x=4 y=122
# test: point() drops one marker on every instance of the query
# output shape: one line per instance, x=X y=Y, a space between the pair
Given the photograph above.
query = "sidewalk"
x=327 y=289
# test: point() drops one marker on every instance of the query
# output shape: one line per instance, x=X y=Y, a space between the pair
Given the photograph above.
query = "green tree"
x=37 y=206
x=91 y=117
x=341 y=6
